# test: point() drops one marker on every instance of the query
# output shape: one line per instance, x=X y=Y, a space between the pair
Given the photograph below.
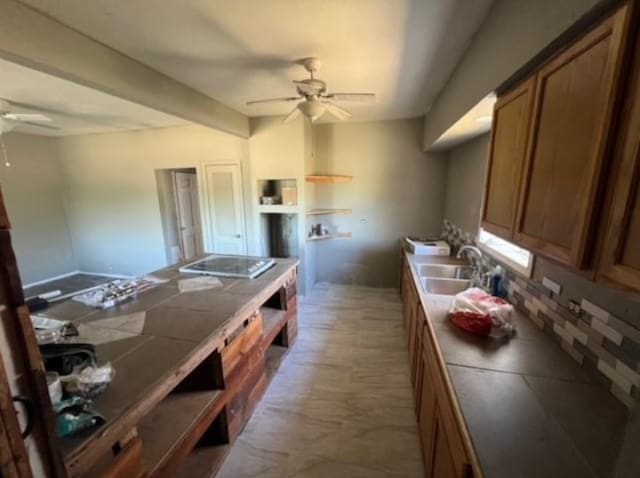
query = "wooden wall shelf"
x=328 y=178
x=338 y=235
x=277 y=209
x=324 y=211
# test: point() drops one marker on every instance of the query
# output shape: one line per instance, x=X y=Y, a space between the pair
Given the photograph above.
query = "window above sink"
x=515 y=257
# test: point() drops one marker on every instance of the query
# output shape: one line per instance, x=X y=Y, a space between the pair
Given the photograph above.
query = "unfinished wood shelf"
x=328 y=178
x=274 y=356
x=338 y=235
x=326 y=211
x=203 y=461
x=272 y=322
x=172 y=422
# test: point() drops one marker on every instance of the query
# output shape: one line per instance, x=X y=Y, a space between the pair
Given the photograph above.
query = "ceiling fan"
x=9 y=118
x=313 y=98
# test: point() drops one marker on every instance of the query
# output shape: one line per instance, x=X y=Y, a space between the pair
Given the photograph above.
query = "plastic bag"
x=480 y=313
x=89 y=381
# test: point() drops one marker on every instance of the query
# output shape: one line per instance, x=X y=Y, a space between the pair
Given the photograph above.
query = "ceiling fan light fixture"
x=312 y=109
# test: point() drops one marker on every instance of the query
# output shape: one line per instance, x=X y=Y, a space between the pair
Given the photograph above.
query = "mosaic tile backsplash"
x=607 y=346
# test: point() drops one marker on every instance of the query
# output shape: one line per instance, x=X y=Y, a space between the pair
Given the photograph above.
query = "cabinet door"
x=406 y=296
x=416 y=358
x=511 y=120
x=411 y=332
x=426 y=412
x=443 y=463
x=575 y=98
x=620 y=260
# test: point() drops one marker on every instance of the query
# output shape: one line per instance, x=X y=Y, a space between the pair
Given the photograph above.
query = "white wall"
x=112 y=196
x=277 y=151
x=512 y=34
x=397 y=190
x=465 y=180
x=33 y=192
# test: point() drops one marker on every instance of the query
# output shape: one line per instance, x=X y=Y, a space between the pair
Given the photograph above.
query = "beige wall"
x=397 y=190
x=112 y=194
x=513 y=33
x=33 y=192
x=465 y=179
x=277 y=151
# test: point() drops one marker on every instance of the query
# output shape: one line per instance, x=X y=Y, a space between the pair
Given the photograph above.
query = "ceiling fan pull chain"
x=4 y=151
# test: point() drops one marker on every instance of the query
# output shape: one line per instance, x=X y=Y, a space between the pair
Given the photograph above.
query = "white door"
x=189 y=230
x=226 y=213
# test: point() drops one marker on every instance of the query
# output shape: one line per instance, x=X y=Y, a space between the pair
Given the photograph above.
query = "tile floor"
x=341 y=404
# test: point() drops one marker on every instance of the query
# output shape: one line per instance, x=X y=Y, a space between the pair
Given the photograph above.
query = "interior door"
x=226 y=212
x=186 y=187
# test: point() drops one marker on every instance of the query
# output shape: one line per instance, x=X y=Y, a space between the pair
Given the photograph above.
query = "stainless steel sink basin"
x=442 y=286
x=445 y=271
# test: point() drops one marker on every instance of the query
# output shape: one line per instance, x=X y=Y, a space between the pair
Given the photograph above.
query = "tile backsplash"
x=606 y=345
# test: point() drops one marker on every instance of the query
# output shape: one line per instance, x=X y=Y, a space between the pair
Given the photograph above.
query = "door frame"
x=176 y=197
x=203 y=193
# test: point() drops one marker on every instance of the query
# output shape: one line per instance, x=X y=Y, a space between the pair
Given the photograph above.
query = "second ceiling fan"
x=313 y=98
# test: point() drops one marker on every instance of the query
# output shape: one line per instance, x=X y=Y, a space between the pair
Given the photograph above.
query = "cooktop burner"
x=230 y=266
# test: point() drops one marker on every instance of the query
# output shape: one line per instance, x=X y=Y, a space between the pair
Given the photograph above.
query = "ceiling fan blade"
x=295 y=112
x=38 y=125
x=275 y=100
x=24 y=117
x=336 y=111
x=364 y=97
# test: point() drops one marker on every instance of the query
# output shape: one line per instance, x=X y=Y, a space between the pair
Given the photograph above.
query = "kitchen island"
x=519 y=407
x=190 y=368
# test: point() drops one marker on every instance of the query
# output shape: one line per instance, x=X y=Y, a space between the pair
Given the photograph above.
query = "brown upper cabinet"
x=620 y=259
x=551 y=143
x=575 y=98
x=511 y=119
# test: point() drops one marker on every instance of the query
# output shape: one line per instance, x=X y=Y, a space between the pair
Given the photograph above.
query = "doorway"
x=225 y=208
x=180 y=212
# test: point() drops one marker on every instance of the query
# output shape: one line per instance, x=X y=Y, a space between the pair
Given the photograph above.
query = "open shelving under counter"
x=173 y=423
x=204 y=461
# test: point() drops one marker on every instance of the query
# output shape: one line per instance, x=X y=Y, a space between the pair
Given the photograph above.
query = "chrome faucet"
x=474 y=255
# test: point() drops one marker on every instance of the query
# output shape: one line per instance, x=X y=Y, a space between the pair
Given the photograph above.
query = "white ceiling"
x=475 y=122
x=240 y=50
x=73 y=109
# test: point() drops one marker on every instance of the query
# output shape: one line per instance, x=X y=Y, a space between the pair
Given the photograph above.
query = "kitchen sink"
x=444 y=286
x=445 y=271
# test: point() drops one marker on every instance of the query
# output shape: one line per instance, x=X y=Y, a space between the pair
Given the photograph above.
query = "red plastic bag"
x=482 y=314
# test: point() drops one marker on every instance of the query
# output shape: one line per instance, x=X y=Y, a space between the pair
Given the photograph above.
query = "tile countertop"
x=155 y=334
x=530 y=409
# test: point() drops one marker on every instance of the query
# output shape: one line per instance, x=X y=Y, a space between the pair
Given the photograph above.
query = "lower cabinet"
x=442 y=441
x=443 y=444
x=442 y=464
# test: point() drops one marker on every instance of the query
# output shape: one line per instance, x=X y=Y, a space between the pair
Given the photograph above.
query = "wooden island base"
x=190 y=431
